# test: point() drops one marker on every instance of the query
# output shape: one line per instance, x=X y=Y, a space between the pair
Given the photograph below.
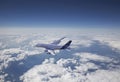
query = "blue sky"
x=60 y=13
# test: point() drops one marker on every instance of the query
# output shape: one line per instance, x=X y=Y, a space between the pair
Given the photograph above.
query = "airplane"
x=54 y=46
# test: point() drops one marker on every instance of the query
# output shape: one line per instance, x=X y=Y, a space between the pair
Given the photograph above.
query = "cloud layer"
x=93 y=57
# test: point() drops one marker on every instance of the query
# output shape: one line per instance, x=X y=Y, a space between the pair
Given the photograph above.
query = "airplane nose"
x=38 y=45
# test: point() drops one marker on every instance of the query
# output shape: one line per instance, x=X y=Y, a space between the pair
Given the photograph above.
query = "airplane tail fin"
x=66 y=45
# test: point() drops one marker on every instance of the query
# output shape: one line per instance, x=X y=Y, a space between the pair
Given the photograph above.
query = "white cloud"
x=111 y=40
x=12 y=51
x=51 y=72
x=2 y=77
x=104 y=76
x=76 y=68
x=66 y=62
x=82 y=42
x=0 y=44
x=8 y=55
x=14 y=54
x=88 y=56
x=44 y=72
x=84 y=67
x=62 y=70
x=50 y=60
x=21 y=38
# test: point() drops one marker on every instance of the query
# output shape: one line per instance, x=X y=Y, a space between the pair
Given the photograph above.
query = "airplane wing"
x=56 y=42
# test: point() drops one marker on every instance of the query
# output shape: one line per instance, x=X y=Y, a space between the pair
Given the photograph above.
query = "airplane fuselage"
x=49 y=46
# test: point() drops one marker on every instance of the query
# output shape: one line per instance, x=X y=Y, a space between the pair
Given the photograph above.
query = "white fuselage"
x=49 y=46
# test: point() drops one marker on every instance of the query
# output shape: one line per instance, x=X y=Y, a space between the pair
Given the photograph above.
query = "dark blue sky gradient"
x=60 y=13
